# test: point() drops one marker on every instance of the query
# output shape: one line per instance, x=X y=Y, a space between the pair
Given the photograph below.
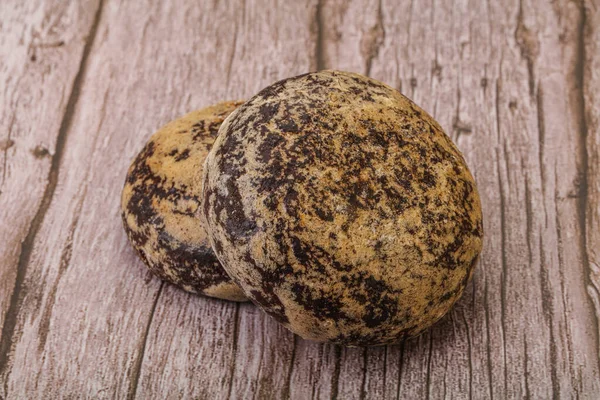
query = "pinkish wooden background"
x=84 y=83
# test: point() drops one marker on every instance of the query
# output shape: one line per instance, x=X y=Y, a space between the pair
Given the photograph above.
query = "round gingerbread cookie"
x=161 y=200
x=342 y=209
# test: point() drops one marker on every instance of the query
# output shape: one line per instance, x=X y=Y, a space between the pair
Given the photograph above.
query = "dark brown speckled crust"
x=342 y=209
x=161 y=198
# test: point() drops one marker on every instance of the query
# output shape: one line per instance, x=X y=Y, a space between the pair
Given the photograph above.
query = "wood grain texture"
x=590 y=200
x=43 y=49
x=514 y=83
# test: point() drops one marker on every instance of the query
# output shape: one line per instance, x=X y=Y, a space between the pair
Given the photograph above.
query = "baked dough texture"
x=342 y=209
x=161 y=200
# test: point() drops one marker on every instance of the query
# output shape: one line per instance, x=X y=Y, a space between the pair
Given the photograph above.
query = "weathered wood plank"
x=42 y=53
x=92 y=321
x=590 y=184
x=316 y=370
x=265 y=46
x=502 y=78
x=513 y=82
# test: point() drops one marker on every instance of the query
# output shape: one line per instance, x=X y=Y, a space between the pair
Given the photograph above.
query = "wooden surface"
x=83 y=84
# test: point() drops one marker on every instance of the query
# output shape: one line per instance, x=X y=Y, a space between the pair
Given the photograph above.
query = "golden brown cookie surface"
x=161 y=198
x=342 y=209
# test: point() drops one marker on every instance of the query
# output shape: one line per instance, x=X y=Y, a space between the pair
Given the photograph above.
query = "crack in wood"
x=234 y=343
x=137 y=364
x=5 y=145
x=400 y=367
x=529 y=45
x=65 y=260
x=319 y=357
x=319 y=35
x=234 y=44
x=373 y=40
x=547 y=312
x=488 y=342
x=528 y=218
x=385 y=353
x=469 y=352
x=335 y=378
x=444 y=381
x=288 y=381
x=504 y=265
x=497 y=104
x=526 y=369
x=458 y=125
x=428 y=379
x=363 y=384
x=8 y=329
x=541 y=134
x=561 y=265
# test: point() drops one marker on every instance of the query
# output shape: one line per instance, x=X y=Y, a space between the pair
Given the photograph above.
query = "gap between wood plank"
x=363 y=392
x=335 y=382
x=137 y=366
x=428 y=379
x=234 y=346
x=10 y=321
x=319 y=40
x=400 y=365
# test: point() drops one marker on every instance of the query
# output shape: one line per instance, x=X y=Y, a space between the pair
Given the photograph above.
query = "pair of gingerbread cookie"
x=331 y=201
